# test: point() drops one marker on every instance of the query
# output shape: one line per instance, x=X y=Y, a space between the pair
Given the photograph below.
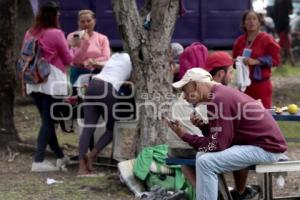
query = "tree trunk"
x=148 y=49
x=8 y=133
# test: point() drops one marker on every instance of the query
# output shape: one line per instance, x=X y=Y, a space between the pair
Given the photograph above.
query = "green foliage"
x=290 y=130
x=286 y=71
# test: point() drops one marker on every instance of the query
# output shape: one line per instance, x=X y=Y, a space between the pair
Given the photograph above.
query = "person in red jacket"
x=260 y=52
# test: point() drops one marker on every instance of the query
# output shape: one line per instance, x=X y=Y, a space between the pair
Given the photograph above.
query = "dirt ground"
x=286 y=90
x=17 y=182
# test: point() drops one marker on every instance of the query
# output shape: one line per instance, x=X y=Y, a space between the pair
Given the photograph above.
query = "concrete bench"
x=266 y=169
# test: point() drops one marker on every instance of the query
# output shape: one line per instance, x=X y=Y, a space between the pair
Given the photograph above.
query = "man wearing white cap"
x=239 y=133
x=220 y=66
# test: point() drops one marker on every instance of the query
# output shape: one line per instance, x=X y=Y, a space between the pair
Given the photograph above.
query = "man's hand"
x=87 y=63
x=196 y=120
x=97 y=64
x=251 y=61
x=176 y=127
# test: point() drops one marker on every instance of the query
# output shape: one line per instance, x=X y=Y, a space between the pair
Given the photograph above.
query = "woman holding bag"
x=56 y=52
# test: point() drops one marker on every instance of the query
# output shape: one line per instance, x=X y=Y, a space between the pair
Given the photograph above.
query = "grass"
x=18 y=183
x=28 y=123
x=290 y=130
x=34 y=186
x=286 y=71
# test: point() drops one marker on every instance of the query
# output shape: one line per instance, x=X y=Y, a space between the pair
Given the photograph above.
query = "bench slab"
x=285 y=166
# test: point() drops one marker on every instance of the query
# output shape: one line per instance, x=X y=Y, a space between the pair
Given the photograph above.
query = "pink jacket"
x=55 y=47
x=96 y=47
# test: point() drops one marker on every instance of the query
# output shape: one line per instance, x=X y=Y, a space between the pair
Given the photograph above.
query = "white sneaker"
x=44 y=166
x=61 y=163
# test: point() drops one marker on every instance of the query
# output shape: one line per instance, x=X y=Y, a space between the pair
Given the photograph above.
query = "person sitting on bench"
x=220 y=65
x=239 y=133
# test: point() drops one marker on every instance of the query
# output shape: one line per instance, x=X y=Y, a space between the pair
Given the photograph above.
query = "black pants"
x=47 y=133
x=99 y=104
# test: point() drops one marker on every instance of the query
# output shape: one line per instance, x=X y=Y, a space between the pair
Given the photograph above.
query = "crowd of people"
x=229 y=128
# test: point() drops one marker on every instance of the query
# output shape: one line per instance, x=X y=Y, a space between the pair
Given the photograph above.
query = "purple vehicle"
x=216 y=23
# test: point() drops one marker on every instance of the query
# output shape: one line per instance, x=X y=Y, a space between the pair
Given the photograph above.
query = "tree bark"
x=148 y=49
x=8 y=133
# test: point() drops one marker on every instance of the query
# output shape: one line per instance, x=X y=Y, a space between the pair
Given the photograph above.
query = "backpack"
x=31 y=66
x=193 y=56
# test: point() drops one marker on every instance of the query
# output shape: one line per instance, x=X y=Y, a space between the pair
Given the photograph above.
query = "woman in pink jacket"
x=91 y=49
x=55 y=50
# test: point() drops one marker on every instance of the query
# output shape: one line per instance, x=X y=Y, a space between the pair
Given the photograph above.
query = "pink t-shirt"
x=96 y=47
x=55 y=47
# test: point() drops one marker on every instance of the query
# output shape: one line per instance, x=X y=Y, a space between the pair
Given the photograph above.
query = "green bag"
x=163 y=180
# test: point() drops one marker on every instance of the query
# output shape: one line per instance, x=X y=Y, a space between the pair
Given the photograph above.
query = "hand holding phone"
x=79 y=34
x=75 y=42
x=172 y=121
x=175 y=126
x=196 y=119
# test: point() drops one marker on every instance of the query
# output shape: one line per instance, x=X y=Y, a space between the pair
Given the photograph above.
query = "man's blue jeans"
x=209 y=165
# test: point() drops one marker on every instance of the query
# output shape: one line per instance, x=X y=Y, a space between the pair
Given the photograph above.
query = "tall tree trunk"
x=148 y=49
x=8 y=133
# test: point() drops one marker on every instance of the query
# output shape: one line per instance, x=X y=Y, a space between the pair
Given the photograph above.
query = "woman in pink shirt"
x=91 y=49
x=55 y=50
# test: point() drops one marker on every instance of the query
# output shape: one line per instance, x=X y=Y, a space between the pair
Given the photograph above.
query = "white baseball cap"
x=193 y=74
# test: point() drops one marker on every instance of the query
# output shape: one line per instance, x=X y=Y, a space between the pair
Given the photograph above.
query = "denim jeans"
x=208 y=165
x=75 y=72
x=47 y=133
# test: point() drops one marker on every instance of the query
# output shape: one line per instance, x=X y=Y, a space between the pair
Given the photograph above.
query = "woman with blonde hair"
x=91 y=49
